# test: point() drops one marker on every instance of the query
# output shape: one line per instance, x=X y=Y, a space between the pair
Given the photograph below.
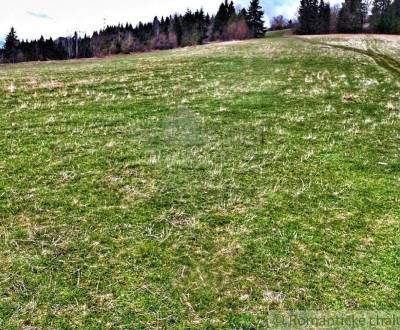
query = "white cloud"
x=38 y=15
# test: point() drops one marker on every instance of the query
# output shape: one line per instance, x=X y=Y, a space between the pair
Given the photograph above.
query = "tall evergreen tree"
x=391 y=18
x=309 y=18
x=201 y=25
x=221 y=19
x=243 y=13
x=178 y=29
x=11 y=46
x=156 y=26
x=352 y=16
x=166 y=26
x=379 y=9
x=324 y=16
x=255 y=19
x=231 y=12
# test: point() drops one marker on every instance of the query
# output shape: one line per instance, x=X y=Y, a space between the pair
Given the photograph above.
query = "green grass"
x=198 y=188
x=278 y=33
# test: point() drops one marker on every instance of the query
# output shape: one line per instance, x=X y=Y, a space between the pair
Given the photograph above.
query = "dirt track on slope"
x=383 y=60
x=384 y=37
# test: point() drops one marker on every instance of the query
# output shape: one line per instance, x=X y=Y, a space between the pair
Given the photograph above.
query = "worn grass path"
x=198 y=188
x=385 y=61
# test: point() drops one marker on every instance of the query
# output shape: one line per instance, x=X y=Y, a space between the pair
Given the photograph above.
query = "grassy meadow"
x=199 y=188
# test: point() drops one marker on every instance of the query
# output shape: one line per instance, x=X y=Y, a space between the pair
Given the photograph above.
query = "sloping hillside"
x=199 y=187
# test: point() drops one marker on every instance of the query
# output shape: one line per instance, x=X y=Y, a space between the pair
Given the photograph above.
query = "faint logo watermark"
x=334 y=320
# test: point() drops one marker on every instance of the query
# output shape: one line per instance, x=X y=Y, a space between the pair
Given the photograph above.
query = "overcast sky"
x=54 y=18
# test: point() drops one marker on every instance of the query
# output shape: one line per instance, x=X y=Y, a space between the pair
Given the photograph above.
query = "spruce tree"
x=379 y=8
x=391 y=18
x=221 y=19
x=201 y=25
x=178 y=29
x=352 y=16
x=255 y=19
x=156 y=26
x=243 y=13
x=231 y=12
x=324 y=15
x=11 y=46
x=309 y=17
x=167 y=24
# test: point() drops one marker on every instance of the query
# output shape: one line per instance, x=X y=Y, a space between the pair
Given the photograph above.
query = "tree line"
x=385 y=16
x=318 y=17
x=191 y=28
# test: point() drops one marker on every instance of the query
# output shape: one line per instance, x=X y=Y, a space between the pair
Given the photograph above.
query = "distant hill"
x=2 y=42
